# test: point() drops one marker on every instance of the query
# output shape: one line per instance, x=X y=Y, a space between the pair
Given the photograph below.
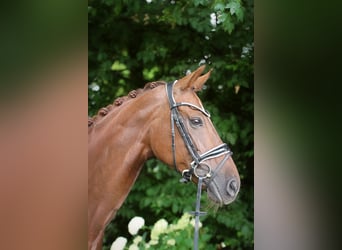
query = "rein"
x=198 y=160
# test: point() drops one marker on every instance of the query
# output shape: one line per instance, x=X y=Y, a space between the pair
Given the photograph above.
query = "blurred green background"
x=134 y=42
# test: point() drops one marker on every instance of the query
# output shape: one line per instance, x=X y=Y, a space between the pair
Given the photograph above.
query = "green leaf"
x=219 y=7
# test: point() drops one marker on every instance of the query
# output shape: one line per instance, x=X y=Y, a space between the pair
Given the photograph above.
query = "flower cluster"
x=162 y=235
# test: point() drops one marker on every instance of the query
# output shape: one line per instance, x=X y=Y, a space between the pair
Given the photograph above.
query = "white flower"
x=133 y=247
x=171 y=242
x=153 y=242
x=181 y=224
x=213 y=19
x=159 y=227
x=184 y=221
x=135 y=224
x=137 y=240
x=192 y=222
x=119 y=243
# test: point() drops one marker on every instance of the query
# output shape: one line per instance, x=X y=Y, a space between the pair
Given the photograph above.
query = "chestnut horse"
x=141 y=126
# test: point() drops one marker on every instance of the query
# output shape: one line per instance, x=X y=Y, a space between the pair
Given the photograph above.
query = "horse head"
x=190 y=142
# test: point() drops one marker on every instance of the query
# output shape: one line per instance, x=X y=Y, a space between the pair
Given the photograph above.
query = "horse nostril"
x=232 y=187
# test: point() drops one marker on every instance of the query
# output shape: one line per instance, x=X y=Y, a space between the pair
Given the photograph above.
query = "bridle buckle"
x=186 y=176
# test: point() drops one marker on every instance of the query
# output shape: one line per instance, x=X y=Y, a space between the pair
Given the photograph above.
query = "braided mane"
x=120 y=100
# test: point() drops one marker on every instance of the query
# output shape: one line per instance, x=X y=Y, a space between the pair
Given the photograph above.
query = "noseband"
x=197 y=159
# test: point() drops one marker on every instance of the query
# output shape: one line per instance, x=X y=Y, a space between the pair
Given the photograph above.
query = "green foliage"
x=133 y=42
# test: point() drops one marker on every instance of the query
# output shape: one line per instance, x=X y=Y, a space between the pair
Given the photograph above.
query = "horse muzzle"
x=222 y=191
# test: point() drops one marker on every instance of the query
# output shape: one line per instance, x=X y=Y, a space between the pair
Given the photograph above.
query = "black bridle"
x=197 y=159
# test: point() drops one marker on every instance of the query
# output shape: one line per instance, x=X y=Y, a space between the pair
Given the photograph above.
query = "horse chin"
x=217 y=195
x=216 y=199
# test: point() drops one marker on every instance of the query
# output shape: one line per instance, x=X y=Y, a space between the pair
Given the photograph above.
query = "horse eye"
x=196 y=122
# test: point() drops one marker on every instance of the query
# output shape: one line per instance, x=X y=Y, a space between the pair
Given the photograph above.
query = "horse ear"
x=189 y=80
x=198 y=84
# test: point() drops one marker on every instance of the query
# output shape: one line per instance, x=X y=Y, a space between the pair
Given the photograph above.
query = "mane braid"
x=120 y=100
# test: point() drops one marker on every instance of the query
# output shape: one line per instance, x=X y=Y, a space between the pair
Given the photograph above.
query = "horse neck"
x=119 y=144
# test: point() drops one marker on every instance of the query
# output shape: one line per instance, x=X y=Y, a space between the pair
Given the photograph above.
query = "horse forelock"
x=120 y=100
